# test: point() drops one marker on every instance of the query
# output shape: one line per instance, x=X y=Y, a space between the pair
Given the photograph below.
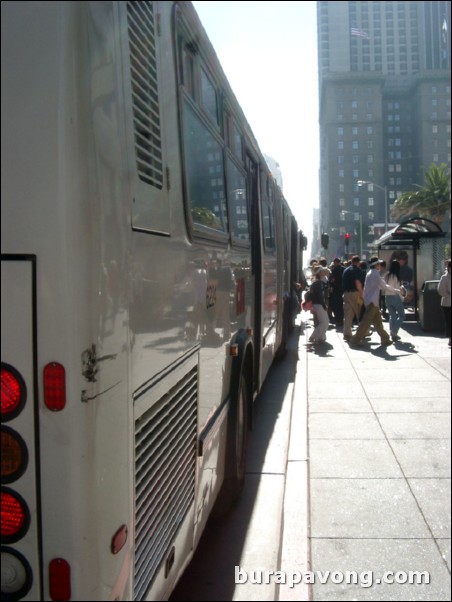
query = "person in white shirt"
x=444 y=291
x=373 y=284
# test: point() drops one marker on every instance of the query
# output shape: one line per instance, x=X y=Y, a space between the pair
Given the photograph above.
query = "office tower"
x=384 y=98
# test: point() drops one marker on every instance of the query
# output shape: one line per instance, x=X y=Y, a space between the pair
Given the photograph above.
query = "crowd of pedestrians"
x=354 y=292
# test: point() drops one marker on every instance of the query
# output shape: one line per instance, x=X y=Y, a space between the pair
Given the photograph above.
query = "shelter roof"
x=411 y=230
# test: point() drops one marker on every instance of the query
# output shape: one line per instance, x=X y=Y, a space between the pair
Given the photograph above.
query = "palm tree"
x=431 y=200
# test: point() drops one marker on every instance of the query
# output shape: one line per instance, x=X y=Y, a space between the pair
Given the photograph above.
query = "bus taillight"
x=15 y=516
x=14 y=455
x=14 y=392
x=54 y=386
x=59 y=580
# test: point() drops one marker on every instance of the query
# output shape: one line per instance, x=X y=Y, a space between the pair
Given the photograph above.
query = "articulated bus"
x=147 y=257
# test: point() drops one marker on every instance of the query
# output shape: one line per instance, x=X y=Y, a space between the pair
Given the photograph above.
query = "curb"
x=295 y=548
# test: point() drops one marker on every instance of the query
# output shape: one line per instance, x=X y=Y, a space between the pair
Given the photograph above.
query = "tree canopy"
x=431 y=200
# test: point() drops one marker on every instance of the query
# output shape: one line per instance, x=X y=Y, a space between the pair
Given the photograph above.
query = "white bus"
x=147 y=254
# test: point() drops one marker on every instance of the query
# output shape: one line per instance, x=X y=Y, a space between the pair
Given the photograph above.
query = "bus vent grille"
x=165 y=465
x=145 y=96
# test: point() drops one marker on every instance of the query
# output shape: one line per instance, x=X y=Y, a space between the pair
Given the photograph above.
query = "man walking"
x=372 y=317
x=336 y=305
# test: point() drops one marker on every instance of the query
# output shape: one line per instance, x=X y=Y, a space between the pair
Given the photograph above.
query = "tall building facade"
x=384 y=98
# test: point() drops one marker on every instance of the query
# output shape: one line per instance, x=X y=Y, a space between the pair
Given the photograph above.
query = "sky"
x=268 y=51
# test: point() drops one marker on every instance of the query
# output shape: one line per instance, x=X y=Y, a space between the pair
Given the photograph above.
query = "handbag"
x=307 y=303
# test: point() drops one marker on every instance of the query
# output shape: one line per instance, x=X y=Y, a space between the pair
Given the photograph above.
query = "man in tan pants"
x=372 y=316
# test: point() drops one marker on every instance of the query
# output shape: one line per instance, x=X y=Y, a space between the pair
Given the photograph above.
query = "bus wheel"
x=235 y=462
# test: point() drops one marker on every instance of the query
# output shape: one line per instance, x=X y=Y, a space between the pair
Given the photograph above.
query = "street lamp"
x=343 y=212
x=385 y=190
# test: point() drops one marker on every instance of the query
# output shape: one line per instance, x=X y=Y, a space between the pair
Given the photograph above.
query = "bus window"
x=237 y=201
x=234 y=138
x=208 y=97
x=268 y=226
x=188 y=71
x=204 y=173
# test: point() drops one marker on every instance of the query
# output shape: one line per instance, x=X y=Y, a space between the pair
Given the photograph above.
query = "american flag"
x=360 y=33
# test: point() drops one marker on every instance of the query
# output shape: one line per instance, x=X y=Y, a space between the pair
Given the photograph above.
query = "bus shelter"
x=418 y=243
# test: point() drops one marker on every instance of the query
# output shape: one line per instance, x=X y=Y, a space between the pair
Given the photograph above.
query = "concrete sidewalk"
x=368 y=476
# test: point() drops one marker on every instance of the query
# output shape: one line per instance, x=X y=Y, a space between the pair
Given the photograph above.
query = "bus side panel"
x=63 y=197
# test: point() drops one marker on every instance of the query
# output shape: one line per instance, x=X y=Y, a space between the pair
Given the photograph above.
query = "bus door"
x=256 y=261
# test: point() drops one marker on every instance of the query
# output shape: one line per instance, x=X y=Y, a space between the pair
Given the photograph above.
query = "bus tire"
x=236 y=448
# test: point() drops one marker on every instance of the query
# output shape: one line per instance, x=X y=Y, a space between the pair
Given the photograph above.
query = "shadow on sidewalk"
x=320 y=349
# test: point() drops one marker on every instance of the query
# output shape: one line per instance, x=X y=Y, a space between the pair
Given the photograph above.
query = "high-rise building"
x=384 y=98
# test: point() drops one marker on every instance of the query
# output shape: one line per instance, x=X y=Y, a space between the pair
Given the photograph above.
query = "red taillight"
x=59 y=580
x=54 y=386
x=14 y=392
x=14 y=457
x=15 y=516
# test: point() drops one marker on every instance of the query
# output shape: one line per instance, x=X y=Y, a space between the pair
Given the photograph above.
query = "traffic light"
x=346 y=240
x=325 y=240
